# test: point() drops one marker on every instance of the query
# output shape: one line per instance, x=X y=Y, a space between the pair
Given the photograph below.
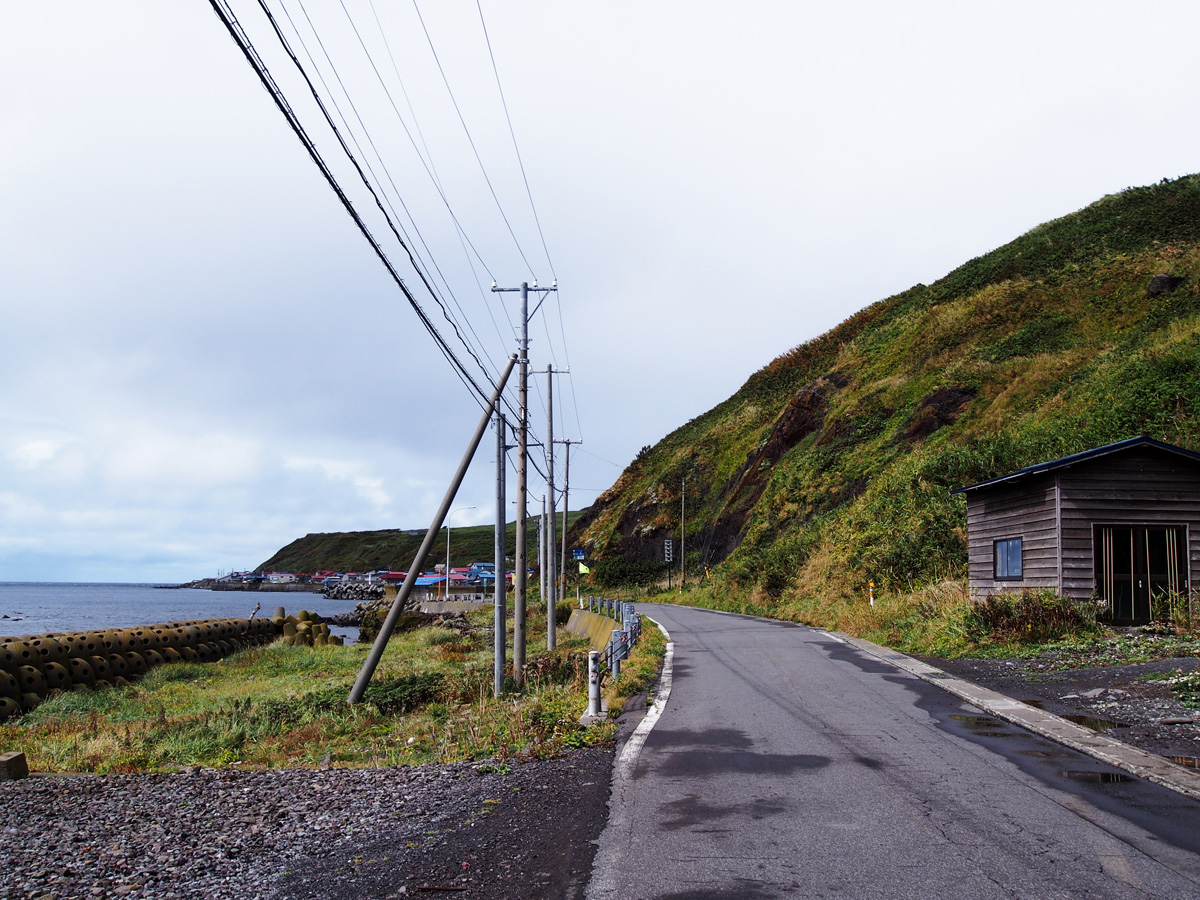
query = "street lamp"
x=448 y=516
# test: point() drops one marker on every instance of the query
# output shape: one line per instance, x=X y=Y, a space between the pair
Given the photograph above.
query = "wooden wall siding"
x=1002 y=512
x=1140 y=486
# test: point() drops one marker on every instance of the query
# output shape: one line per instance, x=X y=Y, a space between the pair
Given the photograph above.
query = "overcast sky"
x=203 y=359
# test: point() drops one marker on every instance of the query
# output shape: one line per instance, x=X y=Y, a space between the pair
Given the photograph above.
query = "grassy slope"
x=361 y=551
x=1055 y=338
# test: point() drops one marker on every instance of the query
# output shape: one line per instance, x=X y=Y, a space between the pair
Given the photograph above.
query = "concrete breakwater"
x=268 y=588
x=33 y=667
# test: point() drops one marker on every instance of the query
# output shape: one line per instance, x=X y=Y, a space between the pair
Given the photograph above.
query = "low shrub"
x=1032 y=616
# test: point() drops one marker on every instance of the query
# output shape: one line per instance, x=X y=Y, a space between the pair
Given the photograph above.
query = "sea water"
x=40 y=607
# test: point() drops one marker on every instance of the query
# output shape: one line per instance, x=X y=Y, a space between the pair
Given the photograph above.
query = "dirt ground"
x=1116 y=686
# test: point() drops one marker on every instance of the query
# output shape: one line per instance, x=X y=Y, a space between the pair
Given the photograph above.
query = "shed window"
x=1007 y=557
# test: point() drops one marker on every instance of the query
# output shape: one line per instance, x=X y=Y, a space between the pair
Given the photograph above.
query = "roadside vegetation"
x=430 y=701
x=939 y=620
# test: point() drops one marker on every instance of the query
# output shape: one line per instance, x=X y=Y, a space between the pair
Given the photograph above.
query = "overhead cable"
x=227 y=17
x=417 y=262
x=520 y=162
x=471 y=140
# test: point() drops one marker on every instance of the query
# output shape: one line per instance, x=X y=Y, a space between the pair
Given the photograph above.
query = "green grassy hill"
x=833 y=465
x=362 y=551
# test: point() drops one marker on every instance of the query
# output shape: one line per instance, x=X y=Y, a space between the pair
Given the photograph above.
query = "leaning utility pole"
x=562 y=581
x=519 y=562
x=418 y=563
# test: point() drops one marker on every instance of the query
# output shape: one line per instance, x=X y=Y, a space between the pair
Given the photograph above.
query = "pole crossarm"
x=410 y=580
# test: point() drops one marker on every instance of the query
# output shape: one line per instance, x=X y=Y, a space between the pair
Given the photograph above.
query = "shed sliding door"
x=1139 y=565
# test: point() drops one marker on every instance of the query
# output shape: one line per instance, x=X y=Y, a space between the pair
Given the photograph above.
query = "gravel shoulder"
x=523 y=831
x=1127 y=701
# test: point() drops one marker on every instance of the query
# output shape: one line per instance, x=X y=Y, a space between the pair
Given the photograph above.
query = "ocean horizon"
x=40 y=607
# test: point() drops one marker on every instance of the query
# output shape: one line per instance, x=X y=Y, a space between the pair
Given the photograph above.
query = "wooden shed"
x=1119 y=523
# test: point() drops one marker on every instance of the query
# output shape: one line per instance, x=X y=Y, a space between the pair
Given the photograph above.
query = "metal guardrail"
x=608 y=660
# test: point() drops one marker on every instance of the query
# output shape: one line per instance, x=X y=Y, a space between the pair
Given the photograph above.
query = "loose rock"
x=492 y=830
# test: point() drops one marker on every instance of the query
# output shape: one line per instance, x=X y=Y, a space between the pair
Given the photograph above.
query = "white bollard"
x=593 y=683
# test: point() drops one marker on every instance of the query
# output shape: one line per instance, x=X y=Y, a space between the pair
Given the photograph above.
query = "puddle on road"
x=1094 y=723
x=1099 y=777
x=1036 y=704
x=977 y=721
x=1192 y=762
x=983 y=726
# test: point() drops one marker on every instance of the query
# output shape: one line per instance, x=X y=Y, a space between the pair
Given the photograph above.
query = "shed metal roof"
x=1095 y=453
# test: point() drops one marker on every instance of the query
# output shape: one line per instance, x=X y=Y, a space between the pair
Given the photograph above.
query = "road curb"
x=1102 y=747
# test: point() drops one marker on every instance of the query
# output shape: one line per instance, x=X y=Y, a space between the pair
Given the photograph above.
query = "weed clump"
x=1030 y=617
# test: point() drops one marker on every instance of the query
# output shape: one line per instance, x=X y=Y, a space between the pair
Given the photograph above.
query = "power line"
x=471 y=140
x=429 y=164
x=427 y=157
x=520 y=162
x=227 y=17
x=237 y=32
x=602 y=459
x=412 y=258
x=387 y=172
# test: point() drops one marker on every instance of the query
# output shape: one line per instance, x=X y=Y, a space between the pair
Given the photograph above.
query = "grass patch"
x=430 y=701
x=640 y=670
x=1186 y=687
x=938 y=619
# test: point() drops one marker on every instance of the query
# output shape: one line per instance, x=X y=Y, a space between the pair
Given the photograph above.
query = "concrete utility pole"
x=501 y=557
x=551 y=581
x=519 y=553
x=542 y=549
x=562 y=581
x=551 y=593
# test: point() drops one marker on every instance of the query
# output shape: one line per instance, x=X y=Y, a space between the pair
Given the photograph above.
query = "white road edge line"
x=633 y=747
x=605 y=882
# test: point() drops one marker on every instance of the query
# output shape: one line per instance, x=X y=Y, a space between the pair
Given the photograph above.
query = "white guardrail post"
x=593 y=683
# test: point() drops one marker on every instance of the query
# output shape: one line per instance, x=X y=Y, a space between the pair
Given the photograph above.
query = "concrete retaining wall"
x=598 y=628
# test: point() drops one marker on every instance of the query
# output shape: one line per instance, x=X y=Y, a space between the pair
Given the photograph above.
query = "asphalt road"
x=789 y=764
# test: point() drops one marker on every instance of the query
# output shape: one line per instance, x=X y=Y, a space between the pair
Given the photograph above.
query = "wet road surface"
x=789 y=764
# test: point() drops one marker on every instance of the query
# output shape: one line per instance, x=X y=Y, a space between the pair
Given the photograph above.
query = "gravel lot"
x=467 y=830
